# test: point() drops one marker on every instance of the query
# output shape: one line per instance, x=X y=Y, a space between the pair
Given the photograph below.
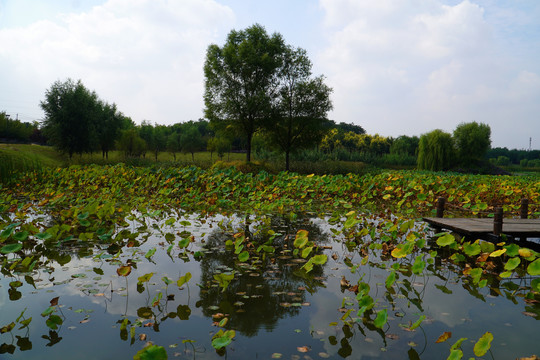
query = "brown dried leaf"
x=445 y=336
x=54 y=301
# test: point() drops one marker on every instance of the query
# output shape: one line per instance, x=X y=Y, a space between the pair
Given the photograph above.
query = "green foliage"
x=472 y=140
x=435 y=151
x=14 y=130
x=76 y=120
x=233 y=96
x=299 y=116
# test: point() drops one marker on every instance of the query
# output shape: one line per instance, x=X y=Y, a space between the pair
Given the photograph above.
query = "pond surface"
x=106 y=298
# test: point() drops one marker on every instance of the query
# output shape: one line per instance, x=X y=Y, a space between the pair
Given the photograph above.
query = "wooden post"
x=524 y=211
x=498 y=221
x=440 y=207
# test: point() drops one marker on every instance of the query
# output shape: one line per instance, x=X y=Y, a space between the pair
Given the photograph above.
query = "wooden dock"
x=491 y=228
x=522 y=228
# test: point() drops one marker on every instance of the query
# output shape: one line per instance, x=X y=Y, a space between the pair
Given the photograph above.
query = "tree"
x=472 y=141
x=241 y=80
x=173 y=143
x=131 y=143
x=299 y=114
x=405 y=145
x=191 y=139
x=109 y=124
x=70 y=112
x=435 y=151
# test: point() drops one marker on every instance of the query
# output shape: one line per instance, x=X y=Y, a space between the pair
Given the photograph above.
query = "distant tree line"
x=16 y=131
x=260 y=97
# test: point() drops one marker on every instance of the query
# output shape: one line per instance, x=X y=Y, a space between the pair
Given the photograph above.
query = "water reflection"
x=267 y=289
x=272 y=304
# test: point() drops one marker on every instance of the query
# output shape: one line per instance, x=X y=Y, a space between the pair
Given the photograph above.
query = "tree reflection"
x=265 y=289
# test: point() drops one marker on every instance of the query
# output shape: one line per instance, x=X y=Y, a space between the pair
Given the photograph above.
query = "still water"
x=275 y=309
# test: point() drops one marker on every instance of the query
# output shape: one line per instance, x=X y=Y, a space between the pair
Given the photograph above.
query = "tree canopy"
x=472 y=141
x=300 y=111
x=241 y=80
x=435 y=151
x=77 y=121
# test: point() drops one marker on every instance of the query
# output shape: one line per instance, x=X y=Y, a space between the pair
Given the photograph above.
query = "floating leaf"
x=301 y=239
x=243 y=256
x=497 y=253
x=512 y=263
x=417 y=322
x=390 y=279
x=123 y=270
x=151 y=352
x=381 y=318
x=21 y=236
x=445 y=336
x=53 y=321
x=446 y=239
x=483 y=344
x=183 y=243
x=534 y=268
x=150 y=253
x=222 y=339
x=11 y=248
x=320 y=259
x=183 y=279
x=145 y=277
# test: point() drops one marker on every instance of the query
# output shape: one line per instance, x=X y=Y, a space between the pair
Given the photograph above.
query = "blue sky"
x=396 y=66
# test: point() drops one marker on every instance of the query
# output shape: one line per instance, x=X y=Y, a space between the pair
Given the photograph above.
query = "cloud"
x=408 y=67
x=146 y=56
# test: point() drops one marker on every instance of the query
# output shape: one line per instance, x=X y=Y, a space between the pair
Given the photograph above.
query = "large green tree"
x=241 y=80
x=472 y=141
x=70 y=110
x=435 y=151
x=300 y=111
x=109 y=123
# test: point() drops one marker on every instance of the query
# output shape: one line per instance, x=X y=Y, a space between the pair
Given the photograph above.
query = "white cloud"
x=147 y=56
x=408 y=67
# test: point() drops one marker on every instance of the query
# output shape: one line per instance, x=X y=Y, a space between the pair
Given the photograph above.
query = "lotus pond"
x=118 y=262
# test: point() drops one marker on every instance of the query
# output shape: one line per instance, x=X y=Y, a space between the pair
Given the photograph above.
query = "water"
x=276 y=310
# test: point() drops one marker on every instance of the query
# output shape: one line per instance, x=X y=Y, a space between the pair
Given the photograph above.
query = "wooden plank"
x=514 y=227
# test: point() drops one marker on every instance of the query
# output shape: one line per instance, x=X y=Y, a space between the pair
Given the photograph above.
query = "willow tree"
x=241 y=81
x=436 y=151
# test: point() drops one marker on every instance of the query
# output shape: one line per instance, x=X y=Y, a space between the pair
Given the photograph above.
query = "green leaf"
x=11 y=248
x=320 y=259
x=150 y=253
x=418 y=322
x=21 y=236
x=535 y=285
x=483 y=344
x=418 y=265
x=306 y=251
x=243 y=256
x=534 y=268
x=183 y=279
x=381 y=318
x=44 y=236
x=512 y=250
x=512 y=263
x=446 y=239
x=222 y=339
x=472 y=249
x=183 y=243
x=457 y=344
x=455 y=355
x=151 y=352
x=53 y=321
x=390 y=279
x=145 y=277
x=421 y=197
x=48 y=311
x=301 y=239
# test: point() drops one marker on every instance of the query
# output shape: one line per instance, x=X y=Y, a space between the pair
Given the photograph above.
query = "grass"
x=17 y=158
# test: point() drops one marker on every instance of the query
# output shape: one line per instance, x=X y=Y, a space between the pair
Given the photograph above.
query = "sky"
x=396 y=67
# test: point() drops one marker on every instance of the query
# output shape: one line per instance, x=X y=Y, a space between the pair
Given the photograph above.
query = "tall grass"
x=13 y=166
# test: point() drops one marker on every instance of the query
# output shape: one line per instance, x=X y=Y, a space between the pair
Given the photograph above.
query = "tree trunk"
x=287 y=160
x=248 y=154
